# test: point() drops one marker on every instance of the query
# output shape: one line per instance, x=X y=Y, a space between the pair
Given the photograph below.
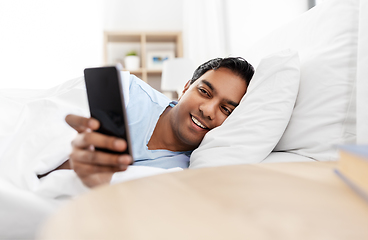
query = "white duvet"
x=35 y=139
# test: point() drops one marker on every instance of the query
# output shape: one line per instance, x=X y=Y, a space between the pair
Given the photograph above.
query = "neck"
x=163 y=136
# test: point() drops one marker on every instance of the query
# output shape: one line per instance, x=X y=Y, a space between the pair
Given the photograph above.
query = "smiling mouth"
x=198 y=123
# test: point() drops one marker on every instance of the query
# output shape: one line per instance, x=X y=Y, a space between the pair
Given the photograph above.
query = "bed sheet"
x=35 y=139
x=22 y=211
x=276 y=157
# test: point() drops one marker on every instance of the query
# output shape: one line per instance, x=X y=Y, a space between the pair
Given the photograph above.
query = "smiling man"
x=163 y=133
x=204 y=105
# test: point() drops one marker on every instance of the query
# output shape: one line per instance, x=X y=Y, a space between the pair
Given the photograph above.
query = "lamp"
x=175 y=74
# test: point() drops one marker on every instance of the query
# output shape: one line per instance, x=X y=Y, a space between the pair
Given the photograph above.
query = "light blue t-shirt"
x=143 y=111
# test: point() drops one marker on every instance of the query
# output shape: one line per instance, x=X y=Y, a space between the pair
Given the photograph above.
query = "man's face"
x=206 y=104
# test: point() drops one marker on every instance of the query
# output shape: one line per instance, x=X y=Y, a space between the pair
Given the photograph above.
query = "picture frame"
x=155 y=59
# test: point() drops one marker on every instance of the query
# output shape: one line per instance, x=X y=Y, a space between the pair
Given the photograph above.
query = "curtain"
x=362 y=75
x=204 y=35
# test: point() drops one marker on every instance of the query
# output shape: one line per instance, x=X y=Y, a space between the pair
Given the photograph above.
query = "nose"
x=208 y=109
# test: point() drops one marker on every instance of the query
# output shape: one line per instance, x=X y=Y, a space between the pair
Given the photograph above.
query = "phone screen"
x=106 y=102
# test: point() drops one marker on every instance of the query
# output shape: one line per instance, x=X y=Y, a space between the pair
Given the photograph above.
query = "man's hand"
x=95 y=167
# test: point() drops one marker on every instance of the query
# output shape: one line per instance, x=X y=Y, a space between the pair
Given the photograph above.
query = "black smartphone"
x=106 y=103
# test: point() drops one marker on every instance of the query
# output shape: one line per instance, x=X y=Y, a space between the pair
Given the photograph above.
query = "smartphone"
x=106 y=103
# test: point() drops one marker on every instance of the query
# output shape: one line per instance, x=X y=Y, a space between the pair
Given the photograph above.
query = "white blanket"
x=34 y=139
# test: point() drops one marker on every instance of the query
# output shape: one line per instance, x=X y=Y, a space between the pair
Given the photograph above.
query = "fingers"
x=95 y=168
x=81 y=124
x=85 y=138
x=84 y=170
x=88 y=138
x=100 y=159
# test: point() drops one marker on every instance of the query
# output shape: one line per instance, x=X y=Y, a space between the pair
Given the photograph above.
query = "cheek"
x=220 y=119
x=190 y=101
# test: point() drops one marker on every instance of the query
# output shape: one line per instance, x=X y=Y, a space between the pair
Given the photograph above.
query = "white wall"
x=143 y=15
x=247 y=20
x=44 y=43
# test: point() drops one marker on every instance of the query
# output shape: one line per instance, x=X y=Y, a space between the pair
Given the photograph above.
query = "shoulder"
x=140 y=90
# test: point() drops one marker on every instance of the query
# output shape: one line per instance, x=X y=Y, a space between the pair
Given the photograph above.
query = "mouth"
x=198 y=123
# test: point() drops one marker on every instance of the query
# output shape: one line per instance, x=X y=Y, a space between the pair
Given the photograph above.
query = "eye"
x=203 y=91
x=227 y=111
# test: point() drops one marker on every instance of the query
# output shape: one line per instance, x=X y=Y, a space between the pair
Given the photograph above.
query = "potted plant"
x=131 y=60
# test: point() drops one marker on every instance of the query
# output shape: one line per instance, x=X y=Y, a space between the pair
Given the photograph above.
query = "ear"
x=186 y=87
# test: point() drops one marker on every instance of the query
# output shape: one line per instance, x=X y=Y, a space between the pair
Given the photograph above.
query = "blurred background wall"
x=46 y=42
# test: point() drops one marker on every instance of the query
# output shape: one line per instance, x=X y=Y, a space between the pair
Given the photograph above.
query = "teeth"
x=198 y=123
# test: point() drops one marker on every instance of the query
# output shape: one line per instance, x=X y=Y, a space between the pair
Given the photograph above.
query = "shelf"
x=141 y=71
x=145 y=40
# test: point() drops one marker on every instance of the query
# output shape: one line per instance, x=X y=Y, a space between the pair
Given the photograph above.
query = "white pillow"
x=251 y=132
x=326 y=40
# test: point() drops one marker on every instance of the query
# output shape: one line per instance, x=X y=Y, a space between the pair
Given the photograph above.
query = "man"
x=163 y=133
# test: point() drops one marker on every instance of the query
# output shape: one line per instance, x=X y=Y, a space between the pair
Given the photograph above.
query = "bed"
x=308 y=95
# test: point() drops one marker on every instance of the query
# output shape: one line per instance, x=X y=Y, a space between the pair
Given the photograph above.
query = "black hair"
x=238 y=65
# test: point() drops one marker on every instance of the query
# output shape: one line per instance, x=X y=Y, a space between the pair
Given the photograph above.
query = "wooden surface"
x=263 y=201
